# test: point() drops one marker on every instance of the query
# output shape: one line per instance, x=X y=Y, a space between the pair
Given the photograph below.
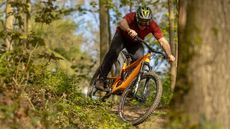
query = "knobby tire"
x=155 y=103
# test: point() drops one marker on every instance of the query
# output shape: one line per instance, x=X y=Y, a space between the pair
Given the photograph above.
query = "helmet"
x=143 y=15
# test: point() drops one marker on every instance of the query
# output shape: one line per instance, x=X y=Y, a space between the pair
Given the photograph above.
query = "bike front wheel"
x=141 y=98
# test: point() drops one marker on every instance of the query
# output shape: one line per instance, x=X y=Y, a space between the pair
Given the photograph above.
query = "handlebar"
x=150 y=48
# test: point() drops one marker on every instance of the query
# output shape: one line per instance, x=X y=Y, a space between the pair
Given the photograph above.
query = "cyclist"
x=133 y=24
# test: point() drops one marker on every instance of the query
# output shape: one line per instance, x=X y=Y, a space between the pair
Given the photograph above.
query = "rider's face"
x=143 y=25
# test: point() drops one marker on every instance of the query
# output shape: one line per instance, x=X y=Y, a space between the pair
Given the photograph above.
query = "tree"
x=173 y=44
x=27 y=26
x=204 y=60
x=9 y=23
x=104 y=29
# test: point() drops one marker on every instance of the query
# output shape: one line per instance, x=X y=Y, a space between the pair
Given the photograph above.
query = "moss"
x=167 y=93
x=190 y=40
x=181 y=120
x=215 y=30
x=53 y=99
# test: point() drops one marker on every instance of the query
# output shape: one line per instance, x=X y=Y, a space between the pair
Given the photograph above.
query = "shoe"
x=100 y=84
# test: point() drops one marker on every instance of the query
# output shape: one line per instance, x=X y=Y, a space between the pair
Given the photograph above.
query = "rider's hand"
x=132 y=33
x=171 y=58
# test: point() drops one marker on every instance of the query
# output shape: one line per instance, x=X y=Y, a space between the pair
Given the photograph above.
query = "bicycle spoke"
x=136 y=107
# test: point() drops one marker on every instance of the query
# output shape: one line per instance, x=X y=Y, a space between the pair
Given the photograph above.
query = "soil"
x=157 y=120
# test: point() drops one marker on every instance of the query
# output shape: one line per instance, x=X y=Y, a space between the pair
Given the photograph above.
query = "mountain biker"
x=133 y=24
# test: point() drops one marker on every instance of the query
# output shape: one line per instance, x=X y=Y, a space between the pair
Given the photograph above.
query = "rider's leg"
x=136 y=49
x=110 y=57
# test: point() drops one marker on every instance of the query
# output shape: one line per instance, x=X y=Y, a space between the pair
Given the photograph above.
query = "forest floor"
x=157 y=120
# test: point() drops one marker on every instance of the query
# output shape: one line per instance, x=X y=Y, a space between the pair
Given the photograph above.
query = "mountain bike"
x=139 y=85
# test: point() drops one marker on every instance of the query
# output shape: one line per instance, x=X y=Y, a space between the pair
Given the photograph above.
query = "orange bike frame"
x=120 y=84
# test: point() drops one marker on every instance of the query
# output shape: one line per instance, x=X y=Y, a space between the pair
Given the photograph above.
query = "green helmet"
x=143 y=15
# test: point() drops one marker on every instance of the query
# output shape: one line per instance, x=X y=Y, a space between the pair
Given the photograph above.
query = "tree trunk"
x=27 y=17
x=104 y=29
x=173 y=44
x=203 y=65
x=9 y=24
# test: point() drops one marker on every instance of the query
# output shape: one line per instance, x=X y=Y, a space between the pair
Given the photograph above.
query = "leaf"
x=23 y=36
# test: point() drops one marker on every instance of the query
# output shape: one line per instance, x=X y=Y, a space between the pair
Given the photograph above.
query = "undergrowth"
x=36 y=96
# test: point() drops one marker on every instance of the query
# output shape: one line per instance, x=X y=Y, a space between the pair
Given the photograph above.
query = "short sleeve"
x=130 y=17
x=155 y=30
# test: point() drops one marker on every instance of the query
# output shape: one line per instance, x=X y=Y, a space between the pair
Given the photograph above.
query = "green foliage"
x=35 y=90
x=47 y=11
x=20 y=9
x=66 y=108
x=60 y=37
x=58 y=82
x=167 y=93
x=66 y=44
x=49 y=99
x=13 y=65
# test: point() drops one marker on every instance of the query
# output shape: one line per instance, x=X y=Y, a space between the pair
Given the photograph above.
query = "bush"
x=167 y=93
x=40 y=96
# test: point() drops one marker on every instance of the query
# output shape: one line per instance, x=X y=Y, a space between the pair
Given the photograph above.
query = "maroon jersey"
x=151 y=28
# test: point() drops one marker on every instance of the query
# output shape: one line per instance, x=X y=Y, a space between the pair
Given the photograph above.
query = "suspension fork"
x=146 y=89
x=136 y=85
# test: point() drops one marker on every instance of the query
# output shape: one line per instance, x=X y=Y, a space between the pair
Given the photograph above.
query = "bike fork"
x=137 y=84
x=146 y=87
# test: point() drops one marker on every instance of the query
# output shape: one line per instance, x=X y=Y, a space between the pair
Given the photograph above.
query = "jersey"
x=151 y=28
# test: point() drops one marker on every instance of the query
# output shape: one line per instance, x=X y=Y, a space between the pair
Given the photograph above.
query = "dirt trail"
x=157 y=120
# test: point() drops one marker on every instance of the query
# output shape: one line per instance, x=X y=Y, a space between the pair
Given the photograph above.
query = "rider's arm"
x=165 y=45
x=123 y=24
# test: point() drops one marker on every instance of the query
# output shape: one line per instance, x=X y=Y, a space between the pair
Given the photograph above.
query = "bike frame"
x=119 y=84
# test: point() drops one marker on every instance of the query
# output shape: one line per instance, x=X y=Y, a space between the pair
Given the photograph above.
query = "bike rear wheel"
x=138 y=103
x=93 y=92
